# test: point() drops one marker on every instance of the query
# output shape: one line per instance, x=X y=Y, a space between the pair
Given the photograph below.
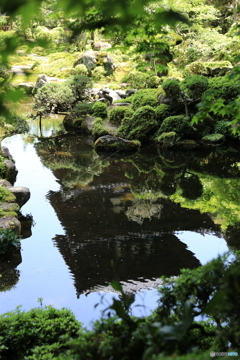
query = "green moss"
x=179 y=124
x=213 y=138
x=140 y=125
x=172 y=88
x=162 y=111
x=194 y=86
x=117 y=114
x=100 y=109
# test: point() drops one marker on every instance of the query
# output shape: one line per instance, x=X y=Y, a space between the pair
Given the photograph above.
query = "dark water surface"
x=148 y=214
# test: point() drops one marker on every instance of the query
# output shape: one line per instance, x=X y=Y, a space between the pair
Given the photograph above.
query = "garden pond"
x=100 y=217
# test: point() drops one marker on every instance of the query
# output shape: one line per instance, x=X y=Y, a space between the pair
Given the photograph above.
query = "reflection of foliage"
x=191 y=187
x=8 y=279
x=232 y=236
x=78 y=167
x=9 y=240
x=144 y=209
x=220 y=198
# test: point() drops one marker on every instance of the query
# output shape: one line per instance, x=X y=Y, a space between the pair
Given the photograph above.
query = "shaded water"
x=149 y=214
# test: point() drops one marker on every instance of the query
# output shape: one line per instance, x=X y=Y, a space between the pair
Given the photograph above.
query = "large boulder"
x=41 y=81
x=10 y=222
x=91 y=59
x=11 y=171
x=113 y=143
x=21 y=193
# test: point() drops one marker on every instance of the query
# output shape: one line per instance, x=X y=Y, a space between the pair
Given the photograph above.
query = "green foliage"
x=194 y=86
x=100 y=109
x=98 y=128
x=141 y=80
x=179 y=124
x=98 y=73
x=144 y=100
x=21 y=331
x=53 y=96
x=162 y=111
x=3 y=192
x=140 y=125
x=117 y=114
x=9 y=240
x=80 y=110
x=172 y=88
x=78 y=84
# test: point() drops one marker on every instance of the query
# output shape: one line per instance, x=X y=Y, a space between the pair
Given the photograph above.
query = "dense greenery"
x=182 y=57
x=211 y=291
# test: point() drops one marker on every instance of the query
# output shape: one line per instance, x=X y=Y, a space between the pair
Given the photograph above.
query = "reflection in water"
x=9 y=275
x=119 y=212
x=131 y=211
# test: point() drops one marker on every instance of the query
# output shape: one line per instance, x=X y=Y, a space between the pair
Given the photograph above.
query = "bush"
x=144 y=100
x=194 y=86
x=98 y=128
x=100 y=109
x=140 y=125
x=98 y=73
x=53 y=96
x=22 y=331
x=140 y=80
x=9 y=240
x=172 y=88
x=81 y=109
x=162 y=111
x=78 y=84
x=225 y=87
x=179 y=124
x=117 y=114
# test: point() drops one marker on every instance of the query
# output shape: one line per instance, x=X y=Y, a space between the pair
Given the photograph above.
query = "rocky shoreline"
x=10 y=207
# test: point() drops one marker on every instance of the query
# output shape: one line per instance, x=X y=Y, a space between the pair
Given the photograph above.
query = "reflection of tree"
x=9 y=275
x=232 y=236
x=144 y=209
x=77 y=162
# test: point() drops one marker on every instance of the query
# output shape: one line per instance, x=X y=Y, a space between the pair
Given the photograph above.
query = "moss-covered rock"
x=213 y=68
x=167 y=139
x=179 y=124
x=213 y=139
x=113 y=143
x=117 y=114
x=140 y=126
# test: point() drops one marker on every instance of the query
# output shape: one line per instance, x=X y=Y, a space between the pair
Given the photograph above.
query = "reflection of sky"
x=43 y=272
x=206 y=247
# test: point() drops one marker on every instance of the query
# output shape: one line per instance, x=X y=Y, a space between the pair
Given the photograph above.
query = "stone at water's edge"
x=10 y=222
x=112 y=143
x=11 y=171
x=21 y=193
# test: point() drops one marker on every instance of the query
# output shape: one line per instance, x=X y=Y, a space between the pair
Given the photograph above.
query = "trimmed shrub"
x=22 y=331
x=144 y=100
x=172 y=88
x=179 y=124
x=138 y=98
x=98 y=73
x=98 y=128
x=141 y=80
x=78 y=85
x=117 y=114
x=57 y=96
x=140 y=125
x=194 y=86
x=81 y=109
x=100 y=109
x=162 y=111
